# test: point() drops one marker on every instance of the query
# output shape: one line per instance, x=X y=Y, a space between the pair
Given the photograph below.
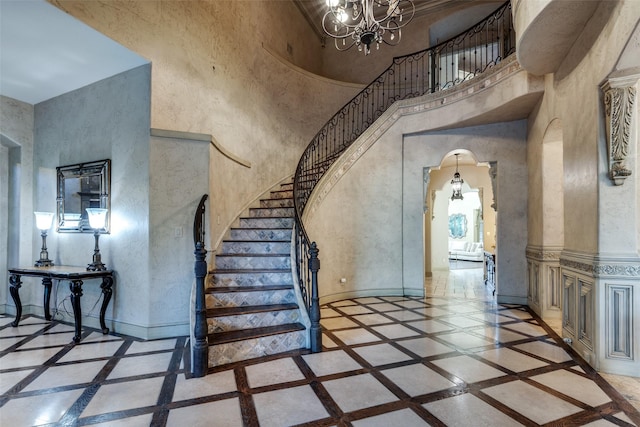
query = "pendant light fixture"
x=456 y=183
x=365 y=23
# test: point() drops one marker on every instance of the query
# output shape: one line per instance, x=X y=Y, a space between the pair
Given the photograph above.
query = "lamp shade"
x=44 y=220
x=97 y=217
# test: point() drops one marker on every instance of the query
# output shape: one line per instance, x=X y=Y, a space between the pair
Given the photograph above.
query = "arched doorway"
x=458 y=231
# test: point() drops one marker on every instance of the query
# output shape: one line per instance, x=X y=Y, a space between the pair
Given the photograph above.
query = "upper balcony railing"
x=445 y=65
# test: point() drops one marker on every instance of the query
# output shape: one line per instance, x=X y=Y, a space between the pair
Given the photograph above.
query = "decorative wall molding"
x=539 y=253
x=619 y=102
x=576 y=265
x=627 y=270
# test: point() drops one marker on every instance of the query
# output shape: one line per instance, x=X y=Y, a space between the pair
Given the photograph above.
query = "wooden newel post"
x=200 y=346
x=314 y=312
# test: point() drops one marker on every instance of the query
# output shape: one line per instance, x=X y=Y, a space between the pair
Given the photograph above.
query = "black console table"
x=75 y=275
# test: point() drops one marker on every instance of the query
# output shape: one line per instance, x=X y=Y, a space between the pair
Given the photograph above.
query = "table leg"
x=46 y=282
x=107 y=282
x=14 y=286
x=76 y=293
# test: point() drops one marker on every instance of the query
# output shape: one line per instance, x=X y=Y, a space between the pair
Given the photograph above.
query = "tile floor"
x=454 y=358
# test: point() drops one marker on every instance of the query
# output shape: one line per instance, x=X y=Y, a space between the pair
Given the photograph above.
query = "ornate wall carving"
x=619 y=102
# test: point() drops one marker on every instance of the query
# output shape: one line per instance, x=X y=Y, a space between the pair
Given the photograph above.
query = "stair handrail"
x=199 y=344
x=486 y=43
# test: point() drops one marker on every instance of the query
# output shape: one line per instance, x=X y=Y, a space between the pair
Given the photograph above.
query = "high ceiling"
x=314 y=10
x=45 y=52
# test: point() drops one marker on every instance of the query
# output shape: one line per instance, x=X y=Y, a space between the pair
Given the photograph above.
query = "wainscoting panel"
x=555 y=290
x=619 y=317
x=569 y=305
x=586 y=312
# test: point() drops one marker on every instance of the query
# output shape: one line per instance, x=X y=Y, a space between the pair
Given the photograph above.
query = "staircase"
x=252 y=306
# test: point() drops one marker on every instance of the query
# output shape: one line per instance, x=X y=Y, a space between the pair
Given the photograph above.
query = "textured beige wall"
x=212 y=75
x=572 y=96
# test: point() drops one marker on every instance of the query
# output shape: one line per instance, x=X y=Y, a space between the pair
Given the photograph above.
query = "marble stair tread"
x=223 y=289
x=253 y=333
x=249 y=270
x=249 y=309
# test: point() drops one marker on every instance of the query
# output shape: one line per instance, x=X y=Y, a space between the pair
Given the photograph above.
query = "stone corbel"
x=493 y=173
x=619 y=102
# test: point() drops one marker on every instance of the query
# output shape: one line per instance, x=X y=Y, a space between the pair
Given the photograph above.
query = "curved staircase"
x=252 y=306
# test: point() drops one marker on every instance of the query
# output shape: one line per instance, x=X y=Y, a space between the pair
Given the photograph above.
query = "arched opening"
x=546 y=224
x=457 y=232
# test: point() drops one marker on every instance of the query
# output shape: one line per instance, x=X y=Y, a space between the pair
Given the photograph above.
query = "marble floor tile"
x=49 y=340
x=545 y=350
x=355 y=309
x=23 y=359
x=574 y=385
x=468 y=369
x=500 y=335
x=355 y=336
x=403 y=418
x=282 y=407
x=140 y=365
x=86 y=350
x=372 y=319
x=468 y=410
x=425 y=347
x=125 y=395
x=212 y=384
x=417 y=379
x=443 y=373
x=77 y=373
x=330 y=362
x=512 y=360
x=338 y=323
x=464 y=340
x=533 y=403
x=39 y=409
x=430 y=326
x=381 y=354
x=273 y=372
x=222 y=413
x=10 y=379
x=358 y=392
x=155 y=345
x=395 y=331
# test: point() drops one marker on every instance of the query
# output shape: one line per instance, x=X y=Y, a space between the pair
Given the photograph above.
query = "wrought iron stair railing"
x=445 y=65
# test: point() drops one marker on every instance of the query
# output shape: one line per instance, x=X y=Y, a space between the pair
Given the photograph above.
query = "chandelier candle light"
x=97 y=218
x=456 y=183
x=43 y=223
x=363 y=22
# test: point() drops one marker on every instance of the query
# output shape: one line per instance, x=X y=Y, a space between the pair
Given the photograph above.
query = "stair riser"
x=266 y=222
x=276 y=203
x=237 y=299
x=270 y=212
x=283 y=248
x=250 y=349
x=286 y=194
x=252 y=320
x=249 y=279
x=288 y=186
x=260 y=234
x=248 y=262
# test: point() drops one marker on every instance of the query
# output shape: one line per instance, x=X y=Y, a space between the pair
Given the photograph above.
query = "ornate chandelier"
x=456 y=183
x=363 y=22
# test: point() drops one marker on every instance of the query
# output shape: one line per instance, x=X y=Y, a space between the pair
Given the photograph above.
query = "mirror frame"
x=100 y=169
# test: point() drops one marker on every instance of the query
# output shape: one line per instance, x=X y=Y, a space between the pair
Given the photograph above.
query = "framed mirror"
x=82 y=186
x=457 y=226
